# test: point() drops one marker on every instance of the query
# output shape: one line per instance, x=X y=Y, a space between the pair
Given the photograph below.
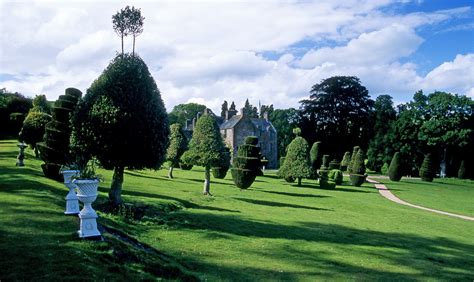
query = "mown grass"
x=273 y=231
x=446 y=194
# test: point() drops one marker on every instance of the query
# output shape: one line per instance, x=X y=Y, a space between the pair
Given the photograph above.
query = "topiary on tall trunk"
x=427 y=169
x=358 y=175
x=54 y=150
x=353 y=156
x=122 y=121
x=395 y=170
x=346 y=160
x=296 y=165
x=247 y=163
x=177 y=146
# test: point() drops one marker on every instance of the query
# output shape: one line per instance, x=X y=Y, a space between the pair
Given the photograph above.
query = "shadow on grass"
x=213 y=181
x=429 y=258
x=294 y=194
x=133 y=173
x=278 y=204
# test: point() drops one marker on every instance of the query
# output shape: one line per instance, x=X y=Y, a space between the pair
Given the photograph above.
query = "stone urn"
x=87 y=194
x=72 y=204
x=21 y=154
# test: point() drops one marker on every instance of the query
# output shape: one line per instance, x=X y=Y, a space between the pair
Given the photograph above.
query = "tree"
x=122 y=121
x=346 y=160
x=224 y=109
x=338 y=113
x=250 y=110
x=284 y=120
x=177 y=146
x=232 y=106
x=206 y=147
x=120 y=23
x=380 y=149
x=394 y=170
x=41 y=104
x=266 y=109
x=135 y=24
x=185 y=112
x=357 y=174
x=246 y=163
x=34 y=128
x=315 y=157
x=427 y=170
x=353 y=157
x=13 y=109
x=296 y=163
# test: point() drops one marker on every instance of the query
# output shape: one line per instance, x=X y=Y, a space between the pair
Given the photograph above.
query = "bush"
x=315 y=157
x=346 y=160
x=324 y=181
x=282 y=161
x=336 y=176
x=220 y=171
x=325 y=162
x=394 y=171
x=54 y=150
x=427 y=170
x=462 y=170
x=246 y=163
x=296 y=164
x=384 y=169
x=358 y=175
x=334 y=164
x=354 y=154
x=33 y=129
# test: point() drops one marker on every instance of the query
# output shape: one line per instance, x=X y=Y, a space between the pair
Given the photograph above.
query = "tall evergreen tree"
x=177 y=146
x=224 y=109
x=394 y=170
x=122 y=121
x=296 y=163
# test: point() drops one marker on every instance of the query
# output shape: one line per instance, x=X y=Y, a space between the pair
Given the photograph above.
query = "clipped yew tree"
x=353 y=157
x=296 y=165
x=177 y=146
x=122 y=121
x=427 y=169
x=220 y=171
x=346 y=160
x=54 y=150
x=315 y=156
x=206 y=147
x=357 y=175
x=33 y=128
x=395 y=170
x=247 y=163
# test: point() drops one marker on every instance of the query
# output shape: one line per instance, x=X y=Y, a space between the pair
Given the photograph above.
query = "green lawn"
x=447 y=194
x=273 y=231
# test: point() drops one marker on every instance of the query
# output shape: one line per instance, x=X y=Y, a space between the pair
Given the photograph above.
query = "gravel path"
x=385 y=192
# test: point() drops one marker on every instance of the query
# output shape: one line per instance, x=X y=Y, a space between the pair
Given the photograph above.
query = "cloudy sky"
x=270 y=52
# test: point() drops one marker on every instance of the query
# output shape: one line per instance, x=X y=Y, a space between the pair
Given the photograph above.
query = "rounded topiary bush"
x=358 y=175
x=336 y=176
x=384 y=169
x=296 y=164
x=346 y=159
x=246 y=163
x=427 y=170
x=395 y=171
x=33 y=129
x=220 y=171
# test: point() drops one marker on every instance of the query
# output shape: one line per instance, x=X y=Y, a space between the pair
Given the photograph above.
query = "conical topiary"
x=394 y=171
x=296 y=164
x=354 y=154
x=427 y=170
x=315 y=158
x=358 y=175
x=247 y=163
x=346 y=160
x=462 y=170
x=54 y=149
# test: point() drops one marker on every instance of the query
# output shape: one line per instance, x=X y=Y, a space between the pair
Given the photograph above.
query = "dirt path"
x=385 y=192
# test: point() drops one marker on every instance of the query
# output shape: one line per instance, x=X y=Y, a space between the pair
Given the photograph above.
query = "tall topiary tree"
x=296 y=163
x=427 y=170
x=358 y=175
x=315 y=156
x=206 y=147
x=246 y=163
x=33 y=128
x=346 y=160
x=122 y=121
x=354 y=154
x=394 y=170
x=178 y=145
x=54 y=150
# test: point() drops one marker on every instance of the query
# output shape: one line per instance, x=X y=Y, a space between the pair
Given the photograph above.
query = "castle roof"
x=259 y=123
x=230 y=123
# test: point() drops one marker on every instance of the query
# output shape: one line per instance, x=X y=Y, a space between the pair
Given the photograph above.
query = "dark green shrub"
x=185 y=162
x=54 y=150
x=247 y=163
x=427 y=170
x=296 y=164
x=462 y=170
x=184 y=166
x=384 y=169
x=395 y=170
x=354 y=154
x=177 y=146
x=224 y=165
x=358 y=176
x=282 y=161
x=346 y=160
x=315 y=157
x=33 y=129
x=324 y=181
x=336 y=176
x=325 y=162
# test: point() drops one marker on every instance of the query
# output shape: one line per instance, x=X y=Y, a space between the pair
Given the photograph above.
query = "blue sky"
x=267 y=51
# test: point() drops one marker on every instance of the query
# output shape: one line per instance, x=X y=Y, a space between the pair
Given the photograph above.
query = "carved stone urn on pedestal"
x=72 y=203
x=87 y=193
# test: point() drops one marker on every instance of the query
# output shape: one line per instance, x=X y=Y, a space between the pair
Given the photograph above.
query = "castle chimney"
x=242 y=112
x=229 y=114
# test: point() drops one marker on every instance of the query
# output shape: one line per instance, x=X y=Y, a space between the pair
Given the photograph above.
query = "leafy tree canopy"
x=284 y=120
x=183 y=112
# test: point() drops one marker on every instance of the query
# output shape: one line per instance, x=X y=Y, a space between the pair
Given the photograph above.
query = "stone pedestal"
x=87 y=193
x=72 y=203
x=21 y=154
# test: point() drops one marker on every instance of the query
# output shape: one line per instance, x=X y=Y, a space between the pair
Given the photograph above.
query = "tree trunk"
x=115 y=193
x=299 y=181
x=122 y=44
x=170 y=172
x=133 y=52
x=207 y=182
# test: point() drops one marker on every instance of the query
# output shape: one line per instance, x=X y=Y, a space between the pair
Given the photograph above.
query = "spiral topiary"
x=54 y=150
x=247 y=163
x=394 y=171
x=427 y=170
